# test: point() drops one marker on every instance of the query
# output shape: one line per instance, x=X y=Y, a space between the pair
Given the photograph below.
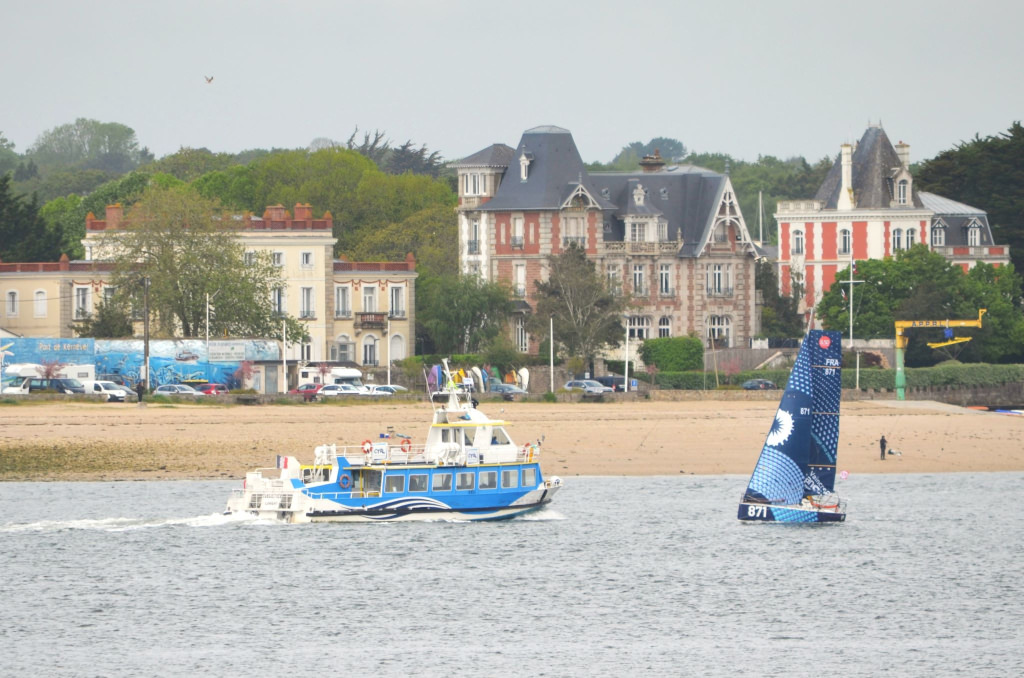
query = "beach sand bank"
x=117 y=441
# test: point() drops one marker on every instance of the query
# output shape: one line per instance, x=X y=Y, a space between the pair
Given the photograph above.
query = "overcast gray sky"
x=777 y=78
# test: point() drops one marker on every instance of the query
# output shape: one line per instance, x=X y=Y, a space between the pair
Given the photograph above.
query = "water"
x=622 y=575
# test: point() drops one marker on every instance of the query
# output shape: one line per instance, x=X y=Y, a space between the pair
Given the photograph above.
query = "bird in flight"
x=209 y=79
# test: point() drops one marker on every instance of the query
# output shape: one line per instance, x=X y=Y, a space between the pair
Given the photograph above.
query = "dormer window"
x=524 y=165
x=663 y=192
x=638 y=195
x=973 y=234
x=902 y=189
x=605 y=193
x=938 y=236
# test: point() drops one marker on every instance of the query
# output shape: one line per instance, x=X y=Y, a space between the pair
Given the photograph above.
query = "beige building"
x=355 y=312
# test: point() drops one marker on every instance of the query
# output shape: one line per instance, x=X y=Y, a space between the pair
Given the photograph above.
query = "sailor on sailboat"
x=794 y=479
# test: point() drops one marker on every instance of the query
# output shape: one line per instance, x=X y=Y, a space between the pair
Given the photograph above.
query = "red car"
x=212 y=389
x=307 y=391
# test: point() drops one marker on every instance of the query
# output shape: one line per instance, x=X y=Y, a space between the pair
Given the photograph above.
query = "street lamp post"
x=208 y=300
x=145 y=333
x=625 y=379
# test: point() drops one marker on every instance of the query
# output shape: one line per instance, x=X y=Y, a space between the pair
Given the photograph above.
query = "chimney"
x=903 y=152
x=114 y=214
x=274 y=213
x=652 y=163
x=845 y=201
x=303 y=212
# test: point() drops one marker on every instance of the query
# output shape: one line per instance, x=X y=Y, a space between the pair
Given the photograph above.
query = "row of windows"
x=82 y=302
x=342 y=301
x=900 y=239
x=343 y=349
x=464 y=481
x=306 y=259
x=639 y=327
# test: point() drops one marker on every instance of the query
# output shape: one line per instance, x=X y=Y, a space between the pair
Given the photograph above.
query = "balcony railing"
x=473 y=246
x=719 y=291
x=343 y=313
x=578 y=240
x=519 y=291
x=517 y=241
x=642 y=291
x=370 y=321
x=396 y=313
x=667 y=292
x=82 y=314
x=641 y=247
x=307 y=314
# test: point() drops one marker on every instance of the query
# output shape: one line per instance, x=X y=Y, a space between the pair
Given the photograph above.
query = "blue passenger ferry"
x=468 y=469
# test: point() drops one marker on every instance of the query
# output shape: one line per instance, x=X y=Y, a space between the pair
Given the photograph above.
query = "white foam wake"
x=127 y=524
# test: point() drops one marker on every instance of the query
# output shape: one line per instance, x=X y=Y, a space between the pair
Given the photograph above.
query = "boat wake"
x=128 y=524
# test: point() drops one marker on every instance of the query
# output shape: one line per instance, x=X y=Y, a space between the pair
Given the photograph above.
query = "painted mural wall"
x=170 y=361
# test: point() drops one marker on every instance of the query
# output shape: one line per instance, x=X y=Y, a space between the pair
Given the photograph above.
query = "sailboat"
x=794 y=479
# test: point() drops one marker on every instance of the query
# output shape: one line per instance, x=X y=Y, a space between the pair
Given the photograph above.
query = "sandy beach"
x=85 y=441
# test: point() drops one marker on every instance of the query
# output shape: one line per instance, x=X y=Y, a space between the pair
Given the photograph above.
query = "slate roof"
x=957 y=217
x=555 y=171
x=688 y=196
x=874 y=165
x=495 y=155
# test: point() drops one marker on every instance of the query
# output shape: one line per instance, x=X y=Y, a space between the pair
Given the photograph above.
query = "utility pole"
x=145 y=331
x=208 y=299
x=851 y=282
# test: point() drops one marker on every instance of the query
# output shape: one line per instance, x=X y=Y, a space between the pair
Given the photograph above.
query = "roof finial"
x=580 y=178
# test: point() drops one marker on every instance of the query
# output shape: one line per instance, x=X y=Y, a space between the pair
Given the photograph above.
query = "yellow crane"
x=901 y=342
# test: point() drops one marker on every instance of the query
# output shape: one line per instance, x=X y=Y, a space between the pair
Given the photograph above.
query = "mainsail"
x=799 y=454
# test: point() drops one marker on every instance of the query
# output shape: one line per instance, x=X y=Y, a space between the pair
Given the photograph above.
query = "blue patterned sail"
x=799 y=454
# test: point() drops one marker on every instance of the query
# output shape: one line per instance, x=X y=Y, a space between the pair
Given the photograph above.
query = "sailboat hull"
x=766 y=513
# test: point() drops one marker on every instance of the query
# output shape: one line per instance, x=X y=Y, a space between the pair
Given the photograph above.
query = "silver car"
x=588 y=386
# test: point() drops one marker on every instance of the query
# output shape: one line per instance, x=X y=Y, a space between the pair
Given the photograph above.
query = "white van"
x=115 y=392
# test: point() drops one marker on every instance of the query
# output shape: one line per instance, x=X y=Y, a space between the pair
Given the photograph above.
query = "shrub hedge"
x=959 y=376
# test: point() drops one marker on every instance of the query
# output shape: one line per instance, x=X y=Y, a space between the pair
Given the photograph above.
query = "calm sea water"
x=649 y=576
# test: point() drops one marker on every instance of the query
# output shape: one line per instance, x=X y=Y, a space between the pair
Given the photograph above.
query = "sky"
x=782 y=78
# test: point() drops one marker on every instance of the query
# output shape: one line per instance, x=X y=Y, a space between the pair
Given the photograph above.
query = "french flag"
x=282 y=462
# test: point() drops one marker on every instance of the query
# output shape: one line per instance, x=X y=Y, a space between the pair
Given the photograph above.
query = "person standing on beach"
x=881 y=444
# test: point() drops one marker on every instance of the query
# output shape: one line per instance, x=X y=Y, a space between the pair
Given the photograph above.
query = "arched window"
x=39 y=303
x=639 y=327
x=844 y=241
x=897 y=239
x=370 y=350
x=343 y=349
x=911 y=237
x=798 y=242
x=665 y=326
x=719 y=331
x=397 y=347
x=12 y=303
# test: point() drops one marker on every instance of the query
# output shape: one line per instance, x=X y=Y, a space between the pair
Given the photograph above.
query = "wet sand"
x=116 y=441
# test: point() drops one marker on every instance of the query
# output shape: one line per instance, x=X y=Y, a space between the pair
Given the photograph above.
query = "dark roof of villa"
x=495 y=155
x=875 y=164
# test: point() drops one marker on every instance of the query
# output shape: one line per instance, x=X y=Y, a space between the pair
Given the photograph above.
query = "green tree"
x=8 y=157
x=185 y=245
x=674 y=354
x=921 y=285
x=587 y=315
x=987 y=173
x=461 y=314
x=23 y=234
x=112 y=320
x=89 y=144
x=430 y=234
x=780 y=316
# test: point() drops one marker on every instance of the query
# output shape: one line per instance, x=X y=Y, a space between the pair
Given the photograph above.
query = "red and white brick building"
x=868 y=208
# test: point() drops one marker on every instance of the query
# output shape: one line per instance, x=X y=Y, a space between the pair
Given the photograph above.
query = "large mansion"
x=670 y=237
x=868 y=208
x=355 y=312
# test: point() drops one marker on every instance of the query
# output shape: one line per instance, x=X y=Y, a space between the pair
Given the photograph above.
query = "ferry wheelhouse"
x=468 y=469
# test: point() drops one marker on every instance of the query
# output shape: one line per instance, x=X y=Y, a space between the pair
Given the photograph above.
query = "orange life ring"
x=367 y=446
x=823 y=506
x=406 y=445
x=345 y=481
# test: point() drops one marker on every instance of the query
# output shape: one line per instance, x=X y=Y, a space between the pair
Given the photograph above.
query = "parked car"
x=115 y=393
x=177 y=390
x=758 y=385
x=28 y=385
x=507 y=391
x=588 y=386
x=614 y=383
x=378 y=390
x=331 y=390
x=212 y=389
x=308 y=391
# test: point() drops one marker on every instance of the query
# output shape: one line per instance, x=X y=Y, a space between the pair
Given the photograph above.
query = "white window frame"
x=637 y=231
x=911 y=237
x=396 y=301
x=938 y=236
x=639 y=327
x=798 y=241
x=11 y=299
x=901 y=191
x=342 y=293
x=306 y=259
x=639 y=288
x=522 y=339
x=665 y=279
x=249 y=258
x=369 y=298
x=897 y=239
x=307 y=301
x=519 y=289
x=83 y=302
x=664 y=327
x=845 y=241
x=973 y=235
x=518 y=229
x=370 y=356
x=277 y=258
x=39 y=303
x=278 y=300
x=612 y=274
x=719 y=327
